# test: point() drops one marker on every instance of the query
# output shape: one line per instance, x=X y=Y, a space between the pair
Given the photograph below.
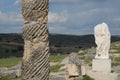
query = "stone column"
x=35 y=63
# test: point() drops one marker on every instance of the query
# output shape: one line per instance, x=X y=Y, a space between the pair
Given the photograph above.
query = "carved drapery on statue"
x=35 y=64
x=102 y=39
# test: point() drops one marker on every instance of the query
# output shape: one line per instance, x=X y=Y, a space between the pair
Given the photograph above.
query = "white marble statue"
x=102 y=40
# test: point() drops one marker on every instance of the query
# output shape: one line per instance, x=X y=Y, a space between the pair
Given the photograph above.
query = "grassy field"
x=55 y=68
x=6 y=78
x=12 y=61
x=9 y=62
x=86 y=77
x=57 y=58
x=116 y=46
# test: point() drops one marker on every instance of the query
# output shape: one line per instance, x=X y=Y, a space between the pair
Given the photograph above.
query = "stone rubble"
x=13 y=72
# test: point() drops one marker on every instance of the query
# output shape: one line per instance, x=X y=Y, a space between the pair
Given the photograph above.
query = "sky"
x=78 y=17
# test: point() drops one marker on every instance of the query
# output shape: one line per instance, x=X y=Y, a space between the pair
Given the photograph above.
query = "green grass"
x=6 y=78
x=88 y=61
x=57 y=58
x=9 y=62
x=117 y=59
x=55 y=68
x=90 y=64
x=86 y=77
x=83 y=53
x=117 y=50
x=115 y=64
x=116 y=46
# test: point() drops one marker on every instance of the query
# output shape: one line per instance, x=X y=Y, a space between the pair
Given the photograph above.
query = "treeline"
x=12 y=44
x=11 y=51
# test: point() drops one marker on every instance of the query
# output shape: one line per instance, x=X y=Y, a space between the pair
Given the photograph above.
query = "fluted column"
x=35 y=63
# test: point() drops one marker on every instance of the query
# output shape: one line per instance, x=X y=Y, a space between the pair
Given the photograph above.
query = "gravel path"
x=95 y=75
x=58 y=78
x=102 y=75
x=65 y=61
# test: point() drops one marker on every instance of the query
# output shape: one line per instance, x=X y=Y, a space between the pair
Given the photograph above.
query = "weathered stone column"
x=35 y=64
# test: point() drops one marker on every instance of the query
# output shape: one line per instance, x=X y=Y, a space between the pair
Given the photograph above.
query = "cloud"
x=11 y=22
x=56 y=28
x=57 y=17
x=64 y=1
x=83 y=22
x=68 y=16
x=11 y=18
x=18 y=2
x=81 y=2
x=117 y=19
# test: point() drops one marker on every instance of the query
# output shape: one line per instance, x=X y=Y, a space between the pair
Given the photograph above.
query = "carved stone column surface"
x=35 y=64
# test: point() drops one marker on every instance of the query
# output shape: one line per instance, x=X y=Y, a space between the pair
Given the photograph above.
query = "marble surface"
x=102 y=40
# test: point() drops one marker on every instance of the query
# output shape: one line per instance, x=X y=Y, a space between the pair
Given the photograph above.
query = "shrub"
x=86 y=77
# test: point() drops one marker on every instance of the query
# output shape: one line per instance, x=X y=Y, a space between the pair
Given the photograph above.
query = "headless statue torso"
x=102 y=40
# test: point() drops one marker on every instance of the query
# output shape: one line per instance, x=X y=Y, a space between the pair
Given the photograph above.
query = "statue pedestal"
x=102 y=65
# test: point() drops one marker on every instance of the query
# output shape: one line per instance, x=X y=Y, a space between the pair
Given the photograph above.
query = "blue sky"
x=65 y=16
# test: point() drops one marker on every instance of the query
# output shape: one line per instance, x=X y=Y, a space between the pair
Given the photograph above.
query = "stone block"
x=102 y=65
x=83 y=70
x=72 y=70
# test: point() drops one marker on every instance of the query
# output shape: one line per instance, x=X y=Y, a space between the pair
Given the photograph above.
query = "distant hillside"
x=71 y=39
x=13 y=43
x=13 y=37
